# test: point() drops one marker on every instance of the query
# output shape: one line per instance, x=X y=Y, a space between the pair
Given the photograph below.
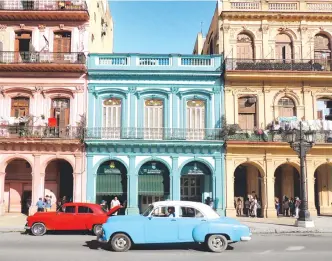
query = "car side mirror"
x=150 y=217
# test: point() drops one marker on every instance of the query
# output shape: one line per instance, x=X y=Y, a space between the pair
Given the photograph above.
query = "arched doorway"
x=196 y=182
x=244 y=47
x=287 y=184
x=18 y=186
x=59 y=181
x=153 y=183
x=111 y=182
x=286 y=107
x=322 y=49
x=248 y=183
x=323 y=189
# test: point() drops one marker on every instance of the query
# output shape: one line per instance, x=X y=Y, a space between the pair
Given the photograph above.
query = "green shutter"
x=151 y=185
x=110 y=184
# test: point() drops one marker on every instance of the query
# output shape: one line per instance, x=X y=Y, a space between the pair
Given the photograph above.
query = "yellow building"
x=277 y=73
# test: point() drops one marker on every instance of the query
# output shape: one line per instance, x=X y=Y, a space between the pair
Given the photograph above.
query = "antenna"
x=202 y=27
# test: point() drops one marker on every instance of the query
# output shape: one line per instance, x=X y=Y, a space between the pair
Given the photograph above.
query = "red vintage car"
x=71 y=216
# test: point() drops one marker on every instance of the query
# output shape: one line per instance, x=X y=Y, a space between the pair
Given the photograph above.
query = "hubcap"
x=98 y=230
x=217 y=242
x=121 y=242
x=38 y=229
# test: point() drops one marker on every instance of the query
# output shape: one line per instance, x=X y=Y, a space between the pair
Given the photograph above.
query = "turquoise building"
x=154 y=129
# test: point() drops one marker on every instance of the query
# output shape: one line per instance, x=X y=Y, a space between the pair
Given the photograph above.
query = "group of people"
x=44 y=205
x=290 y=207
x=115 y=202
x=252 y=206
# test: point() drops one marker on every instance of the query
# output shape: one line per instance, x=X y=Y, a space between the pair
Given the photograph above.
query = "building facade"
x=154 y=129
x=277 y=71
x=43 y=46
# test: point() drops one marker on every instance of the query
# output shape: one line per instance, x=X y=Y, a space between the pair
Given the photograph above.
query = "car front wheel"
x=38 y=229
x=217 y=243
x=120 y=243
x=97 y=229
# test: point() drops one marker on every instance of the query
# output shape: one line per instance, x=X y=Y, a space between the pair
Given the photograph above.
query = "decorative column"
x=2 y=193
x=270 y=180
x=77 y=176
x=132 y=190
x=175 y=179
x=175 y=107
x=42 y=185
x=230 y=208
x=35 y=184
x=91 y=180
x=311 y=187
x=218 y=186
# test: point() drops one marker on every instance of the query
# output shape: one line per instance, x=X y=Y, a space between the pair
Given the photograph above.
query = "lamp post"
x=301 y=142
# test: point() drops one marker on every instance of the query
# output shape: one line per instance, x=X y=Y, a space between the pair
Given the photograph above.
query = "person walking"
x=47 y=204
x=115 y=202
x=103 y=204
x=286 y=207
x=254 y=207
x=239 y=207
x=297 y=207
x=277 y=206
x=40 y=205
x=292 y=207
x=247 y=206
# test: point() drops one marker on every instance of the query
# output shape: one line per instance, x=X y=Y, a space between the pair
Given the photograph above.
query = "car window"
x=190 y=212
x=148 y=210
x=69 y=209
x=163 y=211
x=82 y=209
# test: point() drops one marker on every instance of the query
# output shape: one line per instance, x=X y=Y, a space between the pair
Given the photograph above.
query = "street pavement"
x=72 y=247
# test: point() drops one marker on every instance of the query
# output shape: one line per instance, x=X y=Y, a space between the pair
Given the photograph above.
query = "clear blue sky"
x=158 y=26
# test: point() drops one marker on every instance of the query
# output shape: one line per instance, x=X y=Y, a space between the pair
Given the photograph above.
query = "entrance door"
x=191 y=188
x=26 y=201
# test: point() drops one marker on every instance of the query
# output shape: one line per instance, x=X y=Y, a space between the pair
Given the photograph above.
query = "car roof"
x=81 y=204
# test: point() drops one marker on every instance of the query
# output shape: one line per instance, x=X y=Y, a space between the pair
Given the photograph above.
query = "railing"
x=274 y=136
x=40 y=132
x=41 y=57
x=43 y=5
x=283 y=6
x=277 y=65
x=245 y=5
x=108 y=133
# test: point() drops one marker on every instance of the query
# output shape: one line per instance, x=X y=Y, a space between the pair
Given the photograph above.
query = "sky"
x=159 y=26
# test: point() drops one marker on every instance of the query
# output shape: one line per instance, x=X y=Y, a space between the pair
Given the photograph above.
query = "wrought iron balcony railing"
x=153 y=134
x=43 y=5
x=277 y=65
x=40 y=132
x=41 y=58
x=274 y=136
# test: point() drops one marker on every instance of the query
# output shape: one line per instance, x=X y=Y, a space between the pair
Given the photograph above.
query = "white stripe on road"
x=265 y=252
x=294 y=248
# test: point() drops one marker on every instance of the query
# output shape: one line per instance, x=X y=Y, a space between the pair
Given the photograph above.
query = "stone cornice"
x=42 y=147
x=240 y=15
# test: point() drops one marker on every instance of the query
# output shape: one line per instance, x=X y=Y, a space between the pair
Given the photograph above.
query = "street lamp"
x=301 y=142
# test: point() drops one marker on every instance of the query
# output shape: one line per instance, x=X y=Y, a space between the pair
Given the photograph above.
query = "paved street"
x=55 y=247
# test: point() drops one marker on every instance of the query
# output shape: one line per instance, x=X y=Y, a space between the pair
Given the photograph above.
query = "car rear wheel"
x=120 y=243
x=97 y=229
x=217 y=243
x=38 y=229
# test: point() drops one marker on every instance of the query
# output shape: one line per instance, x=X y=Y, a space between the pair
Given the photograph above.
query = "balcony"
x=166 y=134
x=265 y=68
x=42 y=62
x=39 y=132
x=43 y=10
x=165 y=62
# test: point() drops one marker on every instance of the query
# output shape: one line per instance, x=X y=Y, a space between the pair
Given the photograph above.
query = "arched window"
x=324 y=108
x=286 y=107
x=284 y=47
x=20 y=107
x=62 y=42
x=322 y=47
x=247 y=112
x=112 y=113
x=244 y=47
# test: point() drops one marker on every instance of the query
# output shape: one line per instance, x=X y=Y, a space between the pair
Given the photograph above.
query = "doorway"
x=22 y=46
x=26 y=201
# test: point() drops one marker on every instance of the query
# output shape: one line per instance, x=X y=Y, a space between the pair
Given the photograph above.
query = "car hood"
x=42 y=214
x=125 y=218
x=113 y=210
x=226 y=220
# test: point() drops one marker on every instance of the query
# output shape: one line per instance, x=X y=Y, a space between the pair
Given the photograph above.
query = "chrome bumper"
x=27 y=227
x=245 y=238
x=101 y=239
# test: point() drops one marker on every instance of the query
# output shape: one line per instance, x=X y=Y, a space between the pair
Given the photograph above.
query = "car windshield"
x=148 y=211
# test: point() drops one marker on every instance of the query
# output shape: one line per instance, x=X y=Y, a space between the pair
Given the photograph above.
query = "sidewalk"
x=285 y=225
x=14 y=222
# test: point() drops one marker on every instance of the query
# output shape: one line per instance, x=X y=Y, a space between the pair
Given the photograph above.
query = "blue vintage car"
x=174 y=222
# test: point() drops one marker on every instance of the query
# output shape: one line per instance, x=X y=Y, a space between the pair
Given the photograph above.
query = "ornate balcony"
x=168 y=134
x=45 y=10
x=42 y=62
x=40 y=132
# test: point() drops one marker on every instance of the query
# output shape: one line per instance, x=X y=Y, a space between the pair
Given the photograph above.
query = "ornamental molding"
x=22 y=26
x=324 y=90
x=61 y=26
x=41 y=27
x=174 y=90
x=287 y=92
x=245 y=90
x=81 y=28
x=265 y=28
x=225 y=27
x=3 y=27
x=132 y=90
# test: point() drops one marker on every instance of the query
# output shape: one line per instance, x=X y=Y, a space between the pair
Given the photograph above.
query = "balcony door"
x=112 y=118
x=62 y=46
x=22 y=46
x=244 y=47
x=20 y=107
x=60 y=109
x=196 y=119
x=153 y=118
x=247 y=112
x=284 y=48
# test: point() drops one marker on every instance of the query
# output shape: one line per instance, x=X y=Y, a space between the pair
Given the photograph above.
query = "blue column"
x=132 y=110
x=132 y=193
x=217 y=109
x=175 y=108
x=91 y=180
x=175 y=186
x=219 y=185
x=91 y=101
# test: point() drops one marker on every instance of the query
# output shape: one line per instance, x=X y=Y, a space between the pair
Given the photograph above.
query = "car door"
x=159 y=227
x=189 y=218
x=84 y=218
x=66 y=219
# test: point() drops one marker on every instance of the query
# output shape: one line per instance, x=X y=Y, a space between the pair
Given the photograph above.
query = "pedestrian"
x=209 y=202
x=239 y=207
x=247 y=206
x=115 y=202
x=254 y=205
x=259 y=208
x=47 y=204
x=297 y=207
x=286 y=207
x=292 y=207
x=40 y=205
x=103 y=204
x=277 y=206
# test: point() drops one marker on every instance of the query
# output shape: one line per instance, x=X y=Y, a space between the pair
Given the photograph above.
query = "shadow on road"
x=95 y=245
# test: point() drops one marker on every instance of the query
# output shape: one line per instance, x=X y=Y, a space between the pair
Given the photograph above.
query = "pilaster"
x=175 y=179
x=270 y=180
x=230 y=209
x=91 y=180
x=218 y=186
x=2 y=193
x=77 y=182
x=36 y=184
x=132 y=193
x=311 y=187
